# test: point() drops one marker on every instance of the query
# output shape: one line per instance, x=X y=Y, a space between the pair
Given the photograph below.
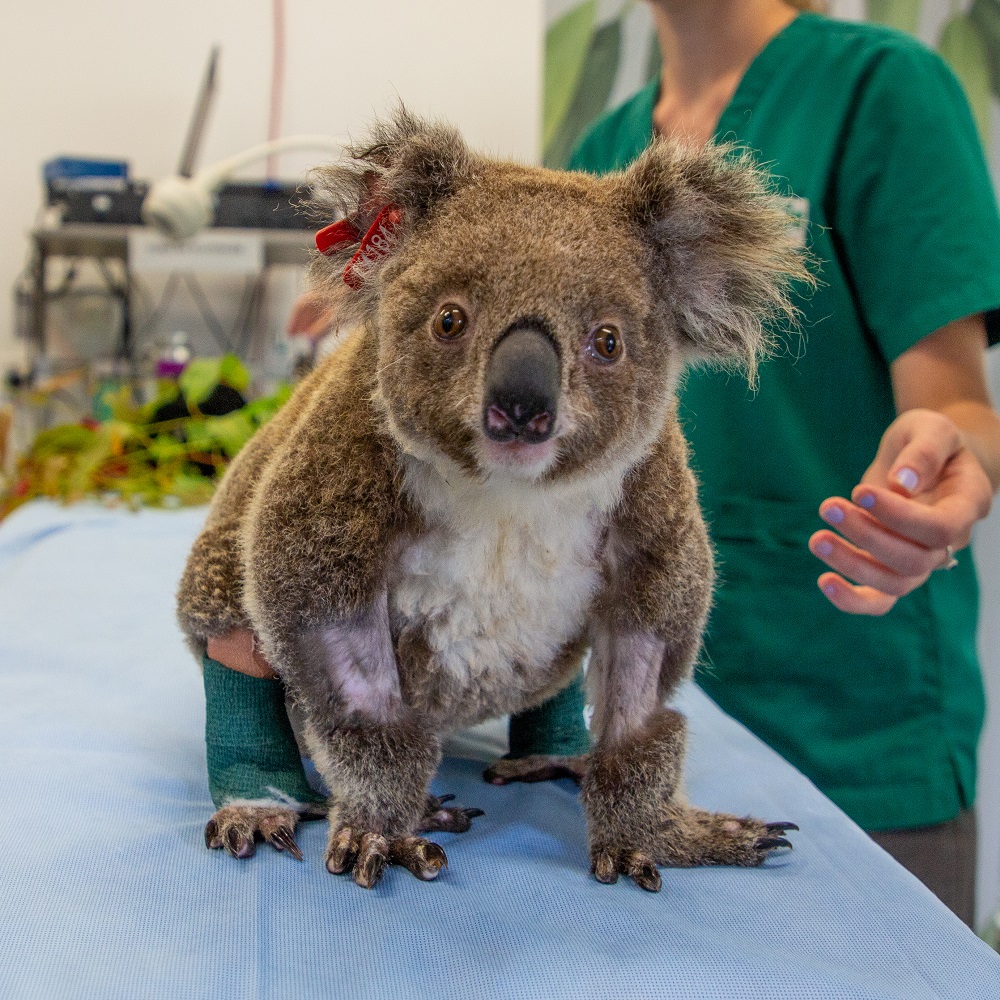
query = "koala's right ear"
x=722 y=257
x=397 y=173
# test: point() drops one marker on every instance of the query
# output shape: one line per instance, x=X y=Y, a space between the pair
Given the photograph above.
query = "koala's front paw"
x=366 y=855
x=238 y=827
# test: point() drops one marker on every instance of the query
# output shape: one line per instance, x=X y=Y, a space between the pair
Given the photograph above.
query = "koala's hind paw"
x=366 y=856
x=238 y=827
x=690 y=838
x=449 y=819
x=698 y=837
x=537 y=767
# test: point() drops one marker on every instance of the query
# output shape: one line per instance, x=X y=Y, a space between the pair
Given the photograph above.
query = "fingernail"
x=907 y=478
x=866 y=500
x=833 y=515
x=824 y=549
x=829 y=589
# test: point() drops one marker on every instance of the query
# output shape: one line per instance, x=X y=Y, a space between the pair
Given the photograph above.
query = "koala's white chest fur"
x=505 y=573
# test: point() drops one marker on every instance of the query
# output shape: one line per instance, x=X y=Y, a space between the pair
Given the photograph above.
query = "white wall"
x=118 y=78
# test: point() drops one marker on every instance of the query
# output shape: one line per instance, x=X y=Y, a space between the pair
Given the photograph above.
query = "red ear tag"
x=376 y=244
x=328 y=239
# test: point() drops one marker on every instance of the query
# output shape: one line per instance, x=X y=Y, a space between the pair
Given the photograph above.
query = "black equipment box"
x=239 y=204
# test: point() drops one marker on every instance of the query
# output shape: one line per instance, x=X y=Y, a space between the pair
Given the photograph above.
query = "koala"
x=487 y=479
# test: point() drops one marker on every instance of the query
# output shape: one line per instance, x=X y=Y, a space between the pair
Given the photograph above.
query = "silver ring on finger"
x=949 y=561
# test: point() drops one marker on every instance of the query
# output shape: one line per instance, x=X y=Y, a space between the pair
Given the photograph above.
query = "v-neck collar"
x=757 y=77
x=754 y=81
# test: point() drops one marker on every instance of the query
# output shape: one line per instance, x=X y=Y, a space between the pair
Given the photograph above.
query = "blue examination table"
x=107 y=890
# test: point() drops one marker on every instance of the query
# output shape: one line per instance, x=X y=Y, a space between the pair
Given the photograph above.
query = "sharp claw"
x=442 y=799
x=238 y=845
x=432 y=860
x=648 y=878
x=421 y=858
x=641 y=869
x=604 y=869
x=373 y=853
x=283 y=840
x=337 y=864
x=780 y=827
x=368 y=869
x=473 y=813
x=341 y=856
x=368 y=876
x=211 y=835
x=771 y=843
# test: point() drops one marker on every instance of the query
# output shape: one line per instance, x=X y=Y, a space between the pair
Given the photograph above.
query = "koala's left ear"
x=393 y=178
x=412 y=163
x=722 y=257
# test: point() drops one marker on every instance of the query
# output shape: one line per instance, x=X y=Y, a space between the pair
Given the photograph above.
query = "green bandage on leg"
x=251 y=749
x=554 y=728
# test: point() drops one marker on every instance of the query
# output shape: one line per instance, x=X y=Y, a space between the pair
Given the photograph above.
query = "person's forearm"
x=980 y=427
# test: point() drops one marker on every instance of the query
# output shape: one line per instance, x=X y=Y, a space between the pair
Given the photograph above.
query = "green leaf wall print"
x=591 y=95
x=901 y=14
x=985 y=15
x=566 y=45
x=964 y=49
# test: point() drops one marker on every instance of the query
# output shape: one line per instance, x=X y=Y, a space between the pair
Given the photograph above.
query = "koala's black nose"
x=522 y=387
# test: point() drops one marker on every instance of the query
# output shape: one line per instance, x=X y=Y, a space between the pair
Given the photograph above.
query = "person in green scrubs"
x=874 y=416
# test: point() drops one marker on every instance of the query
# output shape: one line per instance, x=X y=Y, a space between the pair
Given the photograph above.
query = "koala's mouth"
x=518 y=457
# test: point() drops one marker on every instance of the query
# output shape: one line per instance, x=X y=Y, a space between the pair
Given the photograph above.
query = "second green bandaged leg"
x=554 y=728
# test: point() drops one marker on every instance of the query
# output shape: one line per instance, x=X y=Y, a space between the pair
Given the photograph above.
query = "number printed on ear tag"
x=377 y=243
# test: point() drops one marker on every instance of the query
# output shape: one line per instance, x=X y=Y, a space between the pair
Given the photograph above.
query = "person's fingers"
x=914 y=450
x=948 y=521
x=857 y=565
x=854 y=600
x=919 y=465
x=900 y=554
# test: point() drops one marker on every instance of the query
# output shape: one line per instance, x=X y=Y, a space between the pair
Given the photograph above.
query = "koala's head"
x=534 y=322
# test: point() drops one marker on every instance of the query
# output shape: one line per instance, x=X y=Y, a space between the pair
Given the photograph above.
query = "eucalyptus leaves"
x=137 y=456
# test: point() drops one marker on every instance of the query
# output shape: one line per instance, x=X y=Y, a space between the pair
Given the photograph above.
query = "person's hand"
x=311 y=317
x=914 y=508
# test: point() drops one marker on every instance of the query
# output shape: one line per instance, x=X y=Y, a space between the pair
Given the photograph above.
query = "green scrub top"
x=870 y=134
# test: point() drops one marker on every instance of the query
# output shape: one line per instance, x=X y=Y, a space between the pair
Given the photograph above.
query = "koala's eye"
x=605 y=343
x=450 y=322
